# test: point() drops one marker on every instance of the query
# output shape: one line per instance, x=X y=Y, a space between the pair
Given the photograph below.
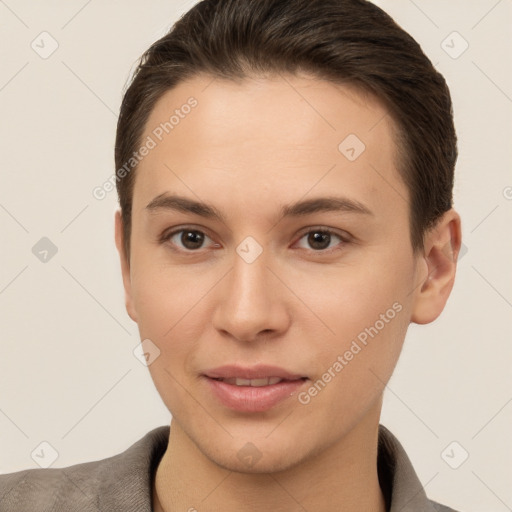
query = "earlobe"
x=438 y=266
x=125 y=266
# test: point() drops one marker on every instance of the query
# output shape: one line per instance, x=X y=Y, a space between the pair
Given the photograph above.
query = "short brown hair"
x=342 y=41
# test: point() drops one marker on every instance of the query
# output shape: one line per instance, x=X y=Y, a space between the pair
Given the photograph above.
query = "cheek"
x=366 y=313
x=162 y=295
x=155 y=304
x=346 y=300
x=170 y=303
x=353 y=370
x=167 y=308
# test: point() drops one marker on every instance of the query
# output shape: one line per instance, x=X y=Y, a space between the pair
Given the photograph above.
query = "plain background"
x=68 y=374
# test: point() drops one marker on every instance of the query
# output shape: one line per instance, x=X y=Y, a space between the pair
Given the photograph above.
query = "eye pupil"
x=192 y=239
x=316 y=237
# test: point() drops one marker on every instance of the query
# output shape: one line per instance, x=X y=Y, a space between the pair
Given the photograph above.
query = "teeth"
x=267 y=381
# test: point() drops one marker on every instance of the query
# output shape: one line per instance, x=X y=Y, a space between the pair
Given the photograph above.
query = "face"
x=298 y=265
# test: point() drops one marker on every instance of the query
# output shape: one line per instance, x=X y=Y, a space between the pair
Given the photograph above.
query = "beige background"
x=68 y=375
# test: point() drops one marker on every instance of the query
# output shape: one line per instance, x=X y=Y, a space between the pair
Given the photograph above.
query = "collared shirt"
x=124 y=482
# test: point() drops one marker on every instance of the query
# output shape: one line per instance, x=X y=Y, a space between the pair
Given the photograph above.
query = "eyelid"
x=345 y=238
x=168 y=234
x=324 y=229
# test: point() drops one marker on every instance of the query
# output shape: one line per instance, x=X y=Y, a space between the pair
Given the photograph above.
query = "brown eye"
x=186 y=239
x=321 y=239
x=192 y=239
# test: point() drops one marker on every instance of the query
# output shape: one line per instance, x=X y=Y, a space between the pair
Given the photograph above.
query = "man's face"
x=325 y=297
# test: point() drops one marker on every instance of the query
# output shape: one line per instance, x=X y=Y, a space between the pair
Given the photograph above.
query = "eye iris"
x=316 y=237
x=192 y=239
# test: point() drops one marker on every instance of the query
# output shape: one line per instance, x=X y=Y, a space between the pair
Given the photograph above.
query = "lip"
x=251 y=398
x=254 y=372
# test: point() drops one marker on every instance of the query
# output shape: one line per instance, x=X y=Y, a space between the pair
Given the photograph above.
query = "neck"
x=343 y=477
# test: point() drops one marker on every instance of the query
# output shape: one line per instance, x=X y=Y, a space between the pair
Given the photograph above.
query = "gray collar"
x=132 y=488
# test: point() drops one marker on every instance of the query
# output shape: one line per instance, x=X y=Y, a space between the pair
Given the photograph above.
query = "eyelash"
x=166 y=236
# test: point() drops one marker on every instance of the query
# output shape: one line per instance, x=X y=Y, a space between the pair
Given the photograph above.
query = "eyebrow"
x=299 y=208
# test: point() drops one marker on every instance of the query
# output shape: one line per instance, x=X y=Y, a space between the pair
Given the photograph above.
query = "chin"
x=263 y=466
x=258 y=457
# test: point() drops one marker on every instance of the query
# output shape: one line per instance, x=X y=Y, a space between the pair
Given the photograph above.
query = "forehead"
x=281 y=130
x=296 y=108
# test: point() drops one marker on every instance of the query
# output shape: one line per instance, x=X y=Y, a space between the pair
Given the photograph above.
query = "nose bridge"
x=249 y=303
x=250 y=277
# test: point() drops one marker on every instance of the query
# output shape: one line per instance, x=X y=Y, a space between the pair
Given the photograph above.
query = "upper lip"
x=251 y=372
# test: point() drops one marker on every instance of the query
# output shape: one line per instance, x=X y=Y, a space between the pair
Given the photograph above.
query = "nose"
x=251 y=303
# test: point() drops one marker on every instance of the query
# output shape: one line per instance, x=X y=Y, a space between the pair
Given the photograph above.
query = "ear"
x=125 y=266
x=436 y=268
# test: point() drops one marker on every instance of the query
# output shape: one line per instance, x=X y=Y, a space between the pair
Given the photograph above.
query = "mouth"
x=256 y=383
x=254 y=389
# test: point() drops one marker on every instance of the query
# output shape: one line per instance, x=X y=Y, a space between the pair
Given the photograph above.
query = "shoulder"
x=41 y=489
x=402 y=488
x=107 y=484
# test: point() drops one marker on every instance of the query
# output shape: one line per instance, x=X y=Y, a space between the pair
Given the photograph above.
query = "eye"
x=189 y=238
x=192 y=240
x=320 y=239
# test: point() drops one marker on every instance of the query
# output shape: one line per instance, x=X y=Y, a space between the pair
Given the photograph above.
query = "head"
x=257 y=110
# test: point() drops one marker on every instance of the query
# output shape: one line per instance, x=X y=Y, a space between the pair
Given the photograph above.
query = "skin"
x=247 y=149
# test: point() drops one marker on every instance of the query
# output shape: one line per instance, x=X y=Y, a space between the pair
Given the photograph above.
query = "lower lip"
x=252 y=398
